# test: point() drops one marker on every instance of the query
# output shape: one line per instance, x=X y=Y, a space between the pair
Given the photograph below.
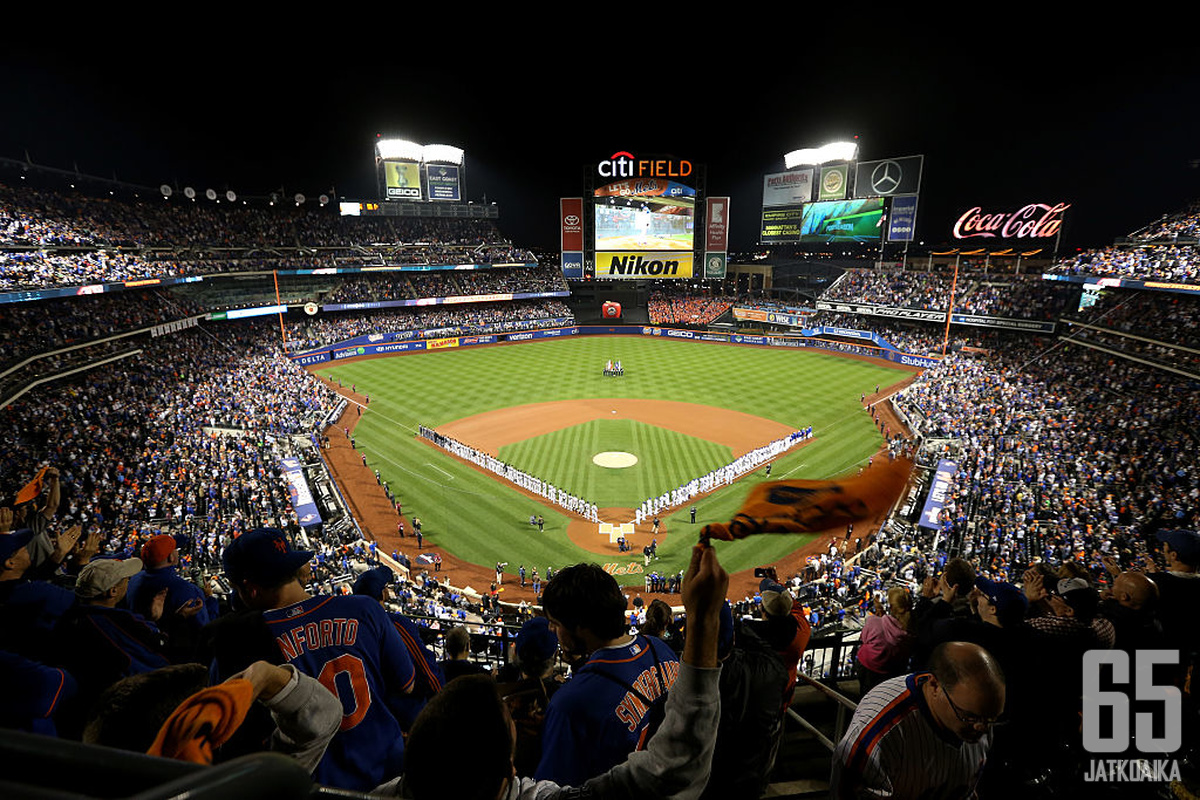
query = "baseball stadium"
x=336 y=496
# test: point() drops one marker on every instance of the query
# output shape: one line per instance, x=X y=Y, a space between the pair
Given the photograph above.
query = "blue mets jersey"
x=597 y=718
x=351 y=647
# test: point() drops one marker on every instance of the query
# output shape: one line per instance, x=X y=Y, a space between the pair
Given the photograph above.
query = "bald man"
x=1131 y=605
x=923 y=735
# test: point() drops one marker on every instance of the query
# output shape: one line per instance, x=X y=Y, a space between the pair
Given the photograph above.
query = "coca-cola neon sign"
x=1034 y=221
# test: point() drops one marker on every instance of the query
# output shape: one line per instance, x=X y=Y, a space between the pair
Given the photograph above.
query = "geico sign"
x=1034 y=221
x=623 y=164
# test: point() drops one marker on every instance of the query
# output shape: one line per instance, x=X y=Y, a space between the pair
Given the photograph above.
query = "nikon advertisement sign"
x=640 y=266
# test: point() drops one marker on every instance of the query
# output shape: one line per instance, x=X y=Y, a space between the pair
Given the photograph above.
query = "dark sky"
x=1108 y=126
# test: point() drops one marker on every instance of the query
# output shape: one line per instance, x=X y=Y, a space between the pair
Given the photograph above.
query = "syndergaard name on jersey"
x=631 y=710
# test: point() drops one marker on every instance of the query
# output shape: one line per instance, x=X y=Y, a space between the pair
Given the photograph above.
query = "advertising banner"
x=402 y=179
x=572 y=266
x=902 y=221
x=782 y=224
x=638 y=266
x=441 y=344
x=717 y=232
x=939 y=492
x=443 y=182
x=299 y=493
x=715 y=266
x=888 y=177
x=570 y=212
x=787 y=188
x=834 y=182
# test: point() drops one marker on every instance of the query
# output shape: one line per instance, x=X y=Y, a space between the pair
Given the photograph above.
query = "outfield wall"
x=356 y=348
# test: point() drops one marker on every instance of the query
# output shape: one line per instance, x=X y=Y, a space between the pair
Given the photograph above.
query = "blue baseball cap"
x=372 y=582
x=1010 y=602
x=10 y=543
x=263 y=556
x=1186 y=544
x=535 y=640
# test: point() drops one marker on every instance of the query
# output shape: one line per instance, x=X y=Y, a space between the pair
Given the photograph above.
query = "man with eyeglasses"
x=925 y=735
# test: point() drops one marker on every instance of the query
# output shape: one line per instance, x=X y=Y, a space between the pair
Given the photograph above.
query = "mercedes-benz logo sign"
x=885 y=178
x=571 y=220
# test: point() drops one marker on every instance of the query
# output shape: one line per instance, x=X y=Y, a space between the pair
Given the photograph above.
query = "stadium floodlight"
x=443 y=153
x=399 y=149
x=189 y=193
x=166 y=190
x=230 y=195
x=834 y=151
x=211 y=194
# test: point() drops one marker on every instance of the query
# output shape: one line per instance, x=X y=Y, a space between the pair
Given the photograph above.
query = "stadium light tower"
x=834 y=151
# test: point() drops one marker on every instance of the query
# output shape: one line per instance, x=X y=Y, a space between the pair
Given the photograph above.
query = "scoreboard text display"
x=825 y=222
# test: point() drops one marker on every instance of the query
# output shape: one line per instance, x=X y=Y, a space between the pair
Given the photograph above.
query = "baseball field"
x=681 y=409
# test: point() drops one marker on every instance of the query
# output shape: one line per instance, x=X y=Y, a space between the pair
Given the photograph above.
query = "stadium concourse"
x=149 y=469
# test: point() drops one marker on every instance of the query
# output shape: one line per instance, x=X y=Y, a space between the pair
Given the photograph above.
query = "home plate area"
x=613 y=532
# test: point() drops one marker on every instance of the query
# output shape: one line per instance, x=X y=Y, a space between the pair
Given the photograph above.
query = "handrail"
x=829 y=692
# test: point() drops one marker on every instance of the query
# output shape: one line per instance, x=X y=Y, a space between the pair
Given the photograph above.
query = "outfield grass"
x=482 y=520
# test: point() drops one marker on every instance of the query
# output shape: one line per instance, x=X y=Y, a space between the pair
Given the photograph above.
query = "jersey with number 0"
x=351 y=647
x=895 y=748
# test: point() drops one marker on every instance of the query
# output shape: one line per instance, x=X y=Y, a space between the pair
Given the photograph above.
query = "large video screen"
x=831 y=221
x=644 y=216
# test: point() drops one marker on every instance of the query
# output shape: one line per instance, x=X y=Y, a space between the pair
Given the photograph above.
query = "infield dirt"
x=741 y=432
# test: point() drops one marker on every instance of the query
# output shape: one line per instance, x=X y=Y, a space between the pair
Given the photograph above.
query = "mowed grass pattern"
x=482 y=520
x=666 y=460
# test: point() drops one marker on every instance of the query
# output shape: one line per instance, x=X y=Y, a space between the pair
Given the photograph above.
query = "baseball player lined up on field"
x=722 y=476
x=529 y=483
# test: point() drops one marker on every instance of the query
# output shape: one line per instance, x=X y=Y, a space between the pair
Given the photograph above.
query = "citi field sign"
x=1033 y=221
x=624 y=164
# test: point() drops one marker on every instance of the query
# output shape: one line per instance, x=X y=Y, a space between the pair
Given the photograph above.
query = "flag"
x=811 y=506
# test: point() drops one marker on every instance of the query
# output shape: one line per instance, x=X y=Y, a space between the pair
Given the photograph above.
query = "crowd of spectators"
x=456 y=320
x=68 y=237
x=683 y=307
x=987 y=294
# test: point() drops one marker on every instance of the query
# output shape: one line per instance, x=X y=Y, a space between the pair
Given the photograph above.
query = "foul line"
x=439 y=469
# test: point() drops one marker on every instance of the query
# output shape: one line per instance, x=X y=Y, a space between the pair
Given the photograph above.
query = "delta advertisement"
x=301 y=496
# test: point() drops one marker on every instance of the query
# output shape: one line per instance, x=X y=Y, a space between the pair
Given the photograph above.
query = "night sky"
x=1108 y=126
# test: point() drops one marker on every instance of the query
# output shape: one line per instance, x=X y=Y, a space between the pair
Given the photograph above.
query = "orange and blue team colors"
x=350 y=646
x=596 y=719
x=895 y=748
x=811 y=506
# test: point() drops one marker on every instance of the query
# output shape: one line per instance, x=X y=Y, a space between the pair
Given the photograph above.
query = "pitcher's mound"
x=614 y=459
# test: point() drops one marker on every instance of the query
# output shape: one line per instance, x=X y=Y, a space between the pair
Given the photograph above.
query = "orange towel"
x=204 y=722
x=811 y=506
x=32 y=489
